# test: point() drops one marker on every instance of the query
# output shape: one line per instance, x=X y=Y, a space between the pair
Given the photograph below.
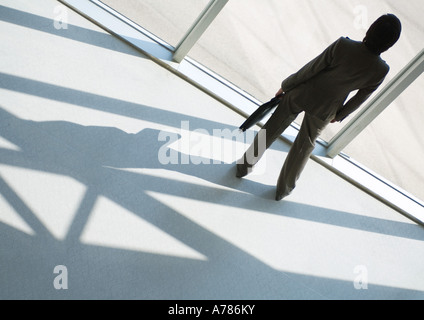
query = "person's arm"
x=311 y=68
x=356 y=101
x=280 y=91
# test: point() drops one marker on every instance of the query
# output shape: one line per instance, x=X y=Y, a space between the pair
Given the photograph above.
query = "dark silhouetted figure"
x=320 y=89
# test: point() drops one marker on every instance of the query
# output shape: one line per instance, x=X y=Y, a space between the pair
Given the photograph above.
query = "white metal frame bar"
x=380 y=102
x=198 y=28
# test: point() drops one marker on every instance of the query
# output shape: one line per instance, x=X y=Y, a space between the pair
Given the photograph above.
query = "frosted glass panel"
x=167 y=19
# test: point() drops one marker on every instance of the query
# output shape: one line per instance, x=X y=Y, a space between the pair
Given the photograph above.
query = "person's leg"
x=272 y=129
x=298 y=155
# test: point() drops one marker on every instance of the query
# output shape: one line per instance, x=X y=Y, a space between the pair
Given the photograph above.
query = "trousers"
x=300 y=151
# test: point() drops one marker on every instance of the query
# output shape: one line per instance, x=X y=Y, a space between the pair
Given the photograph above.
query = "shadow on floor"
x=95 y=156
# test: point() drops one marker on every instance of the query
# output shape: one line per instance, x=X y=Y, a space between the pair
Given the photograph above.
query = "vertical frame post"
x=198 y=28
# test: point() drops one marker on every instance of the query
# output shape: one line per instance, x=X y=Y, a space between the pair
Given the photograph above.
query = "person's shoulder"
x=349 y=42
x=346 y=43
x=385 y=68
x=341 y=40
x=381 y=67
x=346 y=39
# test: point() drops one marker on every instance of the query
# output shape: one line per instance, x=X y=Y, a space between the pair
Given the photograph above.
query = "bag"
x=261 y=112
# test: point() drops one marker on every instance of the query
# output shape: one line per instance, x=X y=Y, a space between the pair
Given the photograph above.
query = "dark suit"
x=320 y=89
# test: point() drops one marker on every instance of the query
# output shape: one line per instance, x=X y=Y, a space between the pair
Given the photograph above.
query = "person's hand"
x=279 y=92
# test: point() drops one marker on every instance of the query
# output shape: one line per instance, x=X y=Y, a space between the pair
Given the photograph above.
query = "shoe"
x=242 y=170
x=279 y=197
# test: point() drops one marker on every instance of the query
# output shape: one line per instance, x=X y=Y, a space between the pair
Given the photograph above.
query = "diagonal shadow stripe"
x=73 y=32
x=287 y=209
x=102 y=103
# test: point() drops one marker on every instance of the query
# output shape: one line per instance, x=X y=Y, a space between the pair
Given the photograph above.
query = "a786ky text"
x=217 y=309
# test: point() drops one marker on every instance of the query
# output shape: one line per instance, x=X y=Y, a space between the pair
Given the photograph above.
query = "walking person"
x=320 y=89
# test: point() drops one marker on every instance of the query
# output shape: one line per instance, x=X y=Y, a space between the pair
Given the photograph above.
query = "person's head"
x=383 y=33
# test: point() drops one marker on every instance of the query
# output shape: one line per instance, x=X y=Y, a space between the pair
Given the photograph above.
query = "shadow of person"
x=117 y=149
x=147 y=149
x=80 y=151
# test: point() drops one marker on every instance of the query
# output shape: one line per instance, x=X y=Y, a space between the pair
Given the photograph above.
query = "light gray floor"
x=82 y=117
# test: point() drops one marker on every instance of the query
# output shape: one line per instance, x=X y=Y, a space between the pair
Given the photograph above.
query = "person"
x=319 y=89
